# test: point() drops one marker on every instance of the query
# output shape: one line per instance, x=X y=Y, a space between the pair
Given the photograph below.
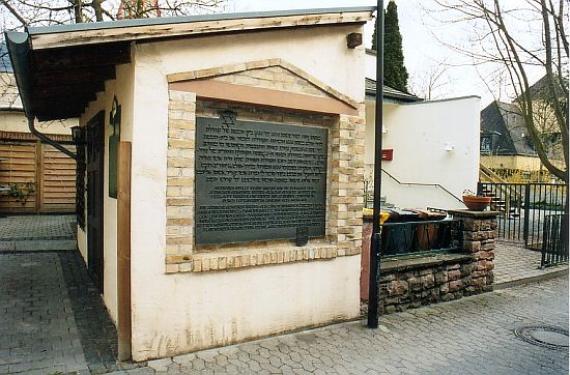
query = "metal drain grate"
x=551 y=337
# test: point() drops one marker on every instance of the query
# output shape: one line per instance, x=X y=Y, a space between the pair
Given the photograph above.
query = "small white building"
x=431 y=147
x=236 y=109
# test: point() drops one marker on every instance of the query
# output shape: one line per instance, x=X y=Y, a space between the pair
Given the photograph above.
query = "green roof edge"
x=187 y=19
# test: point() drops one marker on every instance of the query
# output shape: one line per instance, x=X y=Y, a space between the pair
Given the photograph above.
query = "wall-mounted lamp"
x=449 y=147
x=78 y=134
x=353 y=40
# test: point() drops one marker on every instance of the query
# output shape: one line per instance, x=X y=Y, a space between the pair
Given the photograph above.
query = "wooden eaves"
x=60 y=69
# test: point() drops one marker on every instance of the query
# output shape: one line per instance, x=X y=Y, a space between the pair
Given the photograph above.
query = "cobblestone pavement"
x=471 y=336
x=52 y=318
x=37 y=227
x=513 y=262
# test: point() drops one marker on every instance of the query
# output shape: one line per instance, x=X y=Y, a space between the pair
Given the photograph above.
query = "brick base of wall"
x=430 y=280
x=414 y=282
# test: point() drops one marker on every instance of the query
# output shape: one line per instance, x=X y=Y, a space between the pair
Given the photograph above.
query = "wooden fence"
x=40 y=178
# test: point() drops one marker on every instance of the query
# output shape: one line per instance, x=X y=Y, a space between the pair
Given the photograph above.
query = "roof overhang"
x=390 y=95
x=59 y=69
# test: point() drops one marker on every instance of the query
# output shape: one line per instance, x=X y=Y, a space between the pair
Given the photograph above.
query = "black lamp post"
x=375 y=243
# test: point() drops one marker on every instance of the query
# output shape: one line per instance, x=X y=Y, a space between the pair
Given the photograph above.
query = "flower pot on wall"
x=476 y=202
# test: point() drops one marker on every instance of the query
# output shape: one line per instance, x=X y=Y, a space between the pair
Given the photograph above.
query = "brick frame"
x=344 y=189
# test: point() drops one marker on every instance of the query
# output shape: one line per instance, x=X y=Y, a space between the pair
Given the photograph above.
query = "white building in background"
x=431 y=148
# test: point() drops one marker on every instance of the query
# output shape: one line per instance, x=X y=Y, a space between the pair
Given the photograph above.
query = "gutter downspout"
x=46 y=139
x=18 y=44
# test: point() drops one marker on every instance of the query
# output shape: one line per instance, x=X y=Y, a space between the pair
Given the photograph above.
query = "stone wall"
x=410 y=282
x=479 y=234
x=435 y=279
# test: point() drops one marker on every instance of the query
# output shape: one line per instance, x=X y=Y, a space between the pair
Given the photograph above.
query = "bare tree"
x=19 y=13
x=522 y=37
x=430 y=83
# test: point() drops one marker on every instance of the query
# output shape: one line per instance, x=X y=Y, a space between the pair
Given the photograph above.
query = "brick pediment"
x=274 y=78
x=271 y=74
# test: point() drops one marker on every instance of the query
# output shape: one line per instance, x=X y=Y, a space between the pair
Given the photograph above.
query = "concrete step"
x=38 y=245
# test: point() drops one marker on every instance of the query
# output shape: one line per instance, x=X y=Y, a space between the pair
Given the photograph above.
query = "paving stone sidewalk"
x=471 y=336
x=37 y=227
x=52 y=318
x=37 y=233
x=53 y=321
x=516 y=264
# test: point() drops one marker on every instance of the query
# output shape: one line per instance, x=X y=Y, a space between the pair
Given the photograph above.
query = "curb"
x=531 y=279
x=37 y=246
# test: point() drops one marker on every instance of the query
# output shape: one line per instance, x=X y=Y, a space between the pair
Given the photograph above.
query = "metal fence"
x=555 y=242
x=524 y=209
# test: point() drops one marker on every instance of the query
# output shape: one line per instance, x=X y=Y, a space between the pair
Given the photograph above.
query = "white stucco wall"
x=183 y=312
x=419 y=133
x=13 y=121
x=370 y=65
x=122 y=88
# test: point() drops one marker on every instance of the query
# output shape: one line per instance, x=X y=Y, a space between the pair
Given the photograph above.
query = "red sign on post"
x=388 y=154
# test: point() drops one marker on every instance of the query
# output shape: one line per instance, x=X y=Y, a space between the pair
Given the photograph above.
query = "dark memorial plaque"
x=259 y=181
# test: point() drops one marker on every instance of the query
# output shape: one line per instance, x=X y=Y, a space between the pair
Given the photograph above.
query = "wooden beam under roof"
x=73 y=76
x=58 y=114
x=159 y=31
x=71 y=104
x=86 y=89
x=64 y=81
x=67 y=101
x=59 y=59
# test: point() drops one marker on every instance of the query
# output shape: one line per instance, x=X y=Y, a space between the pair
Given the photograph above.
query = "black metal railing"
x=523 y=209
x=421 y=237
x=554 y=244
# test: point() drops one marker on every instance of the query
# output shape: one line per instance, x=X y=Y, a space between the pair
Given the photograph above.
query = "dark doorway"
x=95 y=179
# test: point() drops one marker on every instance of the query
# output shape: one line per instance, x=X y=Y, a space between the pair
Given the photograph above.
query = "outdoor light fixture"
x=353 y=40
x=449 y=147
x=77 y=134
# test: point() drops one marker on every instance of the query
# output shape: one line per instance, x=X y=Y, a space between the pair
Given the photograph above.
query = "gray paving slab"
x=515 y=264
x=35 y=332
x=22 y=233
x=53 y=318
x=474 y=335
x=38 y=245
x=37 y=227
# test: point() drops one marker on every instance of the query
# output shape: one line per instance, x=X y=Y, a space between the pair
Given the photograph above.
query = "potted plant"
x=475 y=202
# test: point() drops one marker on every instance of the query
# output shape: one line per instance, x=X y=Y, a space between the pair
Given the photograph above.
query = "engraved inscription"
x=258 y=181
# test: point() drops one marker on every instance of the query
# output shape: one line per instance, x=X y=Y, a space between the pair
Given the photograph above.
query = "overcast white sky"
x=422 y=51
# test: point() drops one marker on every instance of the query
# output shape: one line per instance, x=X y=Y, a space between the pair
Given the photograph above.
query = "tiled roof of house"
x=390 y=92
x=505 y=124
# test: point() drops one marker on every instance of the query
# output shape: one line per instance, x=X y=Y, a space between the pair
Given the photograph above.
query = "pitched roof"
x=539 y=89
x=390 y=93
x=65 y=66
x=504 y=123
